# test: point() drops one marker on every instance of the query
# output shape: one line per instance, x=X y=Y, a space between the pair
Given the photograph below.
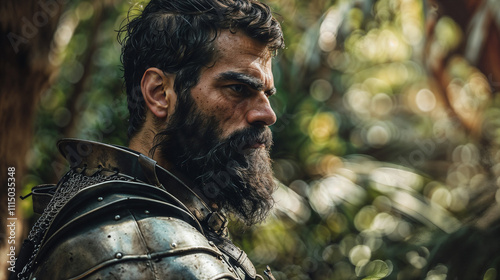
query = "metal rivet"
x=173 y=245
x=230 y=269
x=220 y=257
x=100 y=198
x=118 y=255
x=117 y=217
x=146 y=211
x=211 y=243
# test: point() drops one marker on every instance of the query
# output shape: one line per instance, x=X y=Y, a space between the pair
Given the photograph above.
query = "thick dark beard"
x=238 y=178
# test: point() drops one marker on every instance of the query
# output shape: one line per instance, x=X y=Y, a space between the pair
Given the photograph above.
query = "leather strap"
x=42 y=194
x=148 y=166
x=236 y=254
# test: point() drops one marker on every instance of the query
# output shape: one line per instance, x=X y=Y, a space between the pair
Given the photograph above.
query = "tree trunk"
x=27 y=29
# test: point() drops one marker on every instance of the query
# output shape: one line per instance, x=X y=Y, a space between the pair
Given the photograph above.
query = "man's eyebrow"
x=251 y=81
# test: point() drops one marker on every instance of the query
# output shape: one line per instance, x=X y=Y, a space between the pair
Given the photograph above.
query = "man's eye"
x=237 y=88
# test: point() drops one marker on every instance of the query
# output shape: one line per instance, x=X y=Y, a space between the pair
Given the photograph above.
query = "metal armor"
x=118 y=215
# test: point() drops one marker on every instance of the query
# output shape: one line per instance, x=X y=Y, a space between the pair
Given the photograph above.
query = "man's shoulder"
x=130 y=230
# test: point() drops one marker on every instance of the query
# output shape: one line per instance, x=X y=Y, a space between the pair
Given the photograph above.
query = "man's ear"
x=158 y=92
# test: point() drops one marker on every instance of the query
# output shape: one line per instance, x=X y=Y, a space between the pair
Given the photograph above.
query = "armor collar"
x=91 y=155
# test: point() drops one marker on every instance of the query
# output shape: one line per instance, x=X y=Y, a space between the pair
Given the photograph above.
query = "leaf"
x=374 y=270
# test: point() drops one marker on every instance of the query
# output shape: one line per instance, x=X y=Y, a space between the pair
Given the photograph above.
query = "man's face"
x=220 y=136
x=236 y=89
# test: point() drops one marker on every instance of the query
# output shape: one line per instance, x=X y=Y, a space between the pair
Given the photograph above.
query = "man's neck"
x=142 y=143
x=138 y=145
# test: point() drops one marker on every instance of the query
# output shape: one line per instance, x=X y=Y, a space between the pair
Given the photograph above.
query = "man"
x=198 y=78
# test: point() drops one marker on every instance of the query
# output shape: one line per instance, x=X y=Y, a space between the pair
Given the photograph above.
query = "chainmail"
x=69 y=186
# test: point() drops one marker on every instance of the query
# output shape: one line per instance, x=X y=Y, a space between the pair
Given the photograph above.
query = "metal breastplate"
x=156 y=230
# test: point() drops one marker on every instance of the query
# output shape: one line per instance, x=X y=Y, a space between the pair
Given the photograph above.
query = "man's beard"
x=227 y=171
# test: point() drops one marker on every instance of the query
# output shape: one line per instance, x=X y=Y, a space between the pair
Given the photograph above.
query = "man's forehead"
x=239 y=57
x=228 y=40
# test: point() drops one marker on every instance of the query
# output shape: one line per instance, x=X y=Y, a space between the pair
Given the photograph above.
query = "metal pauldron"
x=127 y=229
x=104 y=225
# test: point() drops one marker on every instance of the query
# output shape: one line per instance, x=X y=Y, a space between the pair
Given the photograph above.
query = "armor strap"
x=42 y=194
x=148 y=166
x=217 y=222
x=236 y=254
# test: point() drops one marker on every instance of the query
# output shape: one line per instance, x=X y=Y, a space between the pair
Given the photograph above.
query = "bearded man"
x=198 y=78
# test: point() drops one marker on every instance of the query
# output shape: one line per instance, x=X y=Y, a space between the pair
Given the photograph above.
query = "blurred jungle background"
x=386 y=145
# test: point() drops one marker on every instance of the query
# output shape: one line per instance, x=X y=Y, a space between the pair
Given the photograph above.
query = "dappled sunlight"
x=332 y=191
x=291 y=204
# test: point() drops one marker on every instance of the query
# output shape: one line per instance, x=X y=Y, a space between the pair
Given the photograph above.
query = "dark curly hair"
x=177 y=36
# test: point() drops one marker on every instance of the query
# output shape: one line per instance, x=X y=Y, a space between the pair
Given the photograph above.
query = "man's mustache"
x=239 y=141
x=250 y=137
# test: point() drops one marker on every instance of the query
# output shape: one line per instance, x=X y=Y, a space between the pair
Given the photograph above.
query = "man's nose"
x=260 y=111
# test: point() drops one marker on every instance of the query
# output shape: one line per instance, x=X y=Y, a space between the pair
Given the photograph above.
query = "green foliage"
x=376 y=160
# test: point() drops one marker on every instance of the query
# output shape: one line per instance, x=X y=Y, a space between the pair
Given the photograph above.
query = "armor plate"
x=102 y=221
x=127 y=230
